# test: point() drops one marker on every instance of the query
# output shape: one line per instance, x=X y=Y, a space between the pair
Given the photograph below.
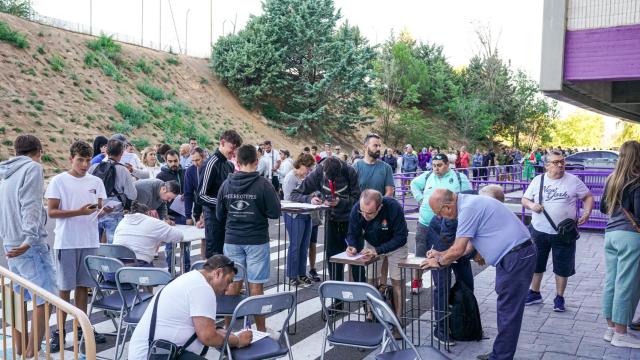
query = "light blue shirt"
x=375 y=176
x=423 y=186
x=493 y=228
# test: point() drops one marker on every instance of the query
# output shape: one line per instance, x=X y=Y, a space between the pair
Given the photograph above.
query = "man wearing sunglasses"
x=187 y=306
x=380 y=220
x=560 y=192
x=441 y=177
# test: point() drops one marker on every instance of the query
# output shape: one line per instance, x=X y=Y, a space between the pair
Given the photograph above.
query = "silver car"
x=592 y=159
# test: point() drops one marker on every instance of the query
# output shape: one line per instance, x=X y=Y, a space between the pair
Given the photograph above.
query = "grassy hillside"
x=63 y=86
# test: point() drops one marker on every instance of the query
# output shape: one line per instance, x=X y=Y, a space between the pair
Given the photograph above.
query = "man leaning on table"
x=381 y=221
x=504 y=242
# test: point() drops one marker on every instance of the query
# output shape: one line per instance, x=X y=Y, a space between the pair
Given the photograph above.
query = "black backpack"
x=106 y=171
x=465 y=323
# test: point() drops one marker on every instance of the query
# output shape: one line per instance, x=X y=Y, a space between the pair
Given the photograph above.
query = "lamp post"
x=186 y=30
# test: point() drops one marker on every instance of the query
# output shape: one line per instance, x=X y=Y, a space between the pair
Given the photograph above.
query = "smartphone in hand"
x=91 y=207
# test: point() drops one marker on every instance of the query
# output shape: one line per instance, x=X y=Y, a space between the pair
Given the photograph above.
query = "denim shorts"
x=35 y=265
x=255 y=258
x=563 y=254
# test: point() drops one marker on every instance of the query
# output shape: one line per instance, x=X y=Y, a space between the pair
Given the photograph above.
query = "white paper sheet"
x=257 y=335
x=178 y=205
x=344 y=256
x=297 y=205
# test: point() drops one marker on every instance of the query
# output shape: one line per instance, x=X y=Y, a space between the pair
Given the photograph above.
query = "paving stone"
x=591 y=351
x=557 y=356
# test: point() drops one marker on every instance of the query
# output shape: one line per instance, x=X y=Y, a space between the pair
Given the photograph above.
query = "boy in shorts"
x=73 y=197
x=23 y=232
x=246 y=201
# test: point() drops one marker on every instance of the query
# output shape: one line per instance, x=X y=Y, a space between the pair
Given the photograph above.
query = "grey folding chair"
x=120 y=252
x=131 y=312
x=198 y=265
x=350 y=333
x=265 y=348
x=388 y=319
x=226 y=304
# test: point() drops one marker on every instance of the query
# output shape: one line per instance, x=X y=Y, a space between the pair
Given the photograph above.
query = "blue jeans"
x=168 y=248
x=299 y=229
x=621 y=292
x=108 y=225
x=35 y=265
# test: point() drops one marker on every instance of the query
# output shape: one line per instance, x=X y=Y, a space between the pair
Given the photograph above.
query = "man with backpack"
x=441 y=177
x=487 y=225
x=119 y=187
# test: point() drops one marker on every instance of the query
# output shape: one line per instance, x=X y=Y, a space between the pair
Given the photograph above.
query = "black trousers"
x=336 y=243
x=213 y=232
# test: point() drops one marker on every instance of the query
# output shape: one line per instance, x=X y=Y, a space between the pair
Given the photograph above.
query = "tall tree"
x=579 y=129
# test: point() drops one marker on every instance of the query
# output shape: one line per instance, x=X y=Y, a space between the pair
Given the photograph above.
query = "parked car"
x=592 y=159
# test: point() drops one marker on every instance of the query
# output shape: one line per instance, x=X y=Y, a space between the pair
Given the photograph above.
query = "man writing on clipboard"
x=335 y=184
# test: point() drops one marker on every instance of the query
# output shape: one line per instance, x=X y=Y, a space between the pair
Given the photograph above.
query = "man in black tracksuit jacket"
x=246 y=202
x=316 y=189
x=213 y=173
x=173 y=171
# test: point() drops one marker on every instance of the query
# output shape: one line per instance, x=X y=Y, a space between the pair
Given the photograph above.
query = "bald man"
x=504 y=242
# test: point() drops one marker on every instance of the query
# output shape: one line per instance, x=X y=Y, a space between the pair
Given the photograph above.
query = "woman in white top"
x=150 y=162
x=286 y=164
x=299 y=226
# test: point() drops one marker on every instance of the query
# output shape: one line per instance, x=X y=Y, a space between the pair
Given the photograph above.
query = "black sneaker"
x=313 y=274
x=54 y=345
x=295 y=282
x=100 y=338
x=305 y=280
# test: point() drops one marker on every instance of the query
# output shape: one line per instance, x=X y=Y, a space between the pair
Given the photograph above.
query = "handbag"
x=567 y=229
x=166 y=350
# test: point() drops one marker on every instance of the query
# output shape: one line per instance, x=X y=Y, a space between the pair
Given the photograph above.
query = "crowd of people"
x=111 y=195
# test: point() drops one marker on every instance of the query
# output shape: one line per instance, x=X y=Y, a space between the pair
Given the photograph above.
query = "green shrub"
x=133 y=115
x=29 y=71
x=140 y=143
x=203 y=81
x=105 y=54
x=56 y=62
x=143 y=66
x=38 y=122
x=37 y=104
x=2 y=129
x=172 y=60
x=106 y=45
x=122 y=127
x=89 y=95
x=90 y=58
x=151 y=91
x=12 y=37
x=7 y=142
x=40 y=50
x=271 y=112
x=52 y=139
x=179 y=108
x=47 y=158
x=155 y=109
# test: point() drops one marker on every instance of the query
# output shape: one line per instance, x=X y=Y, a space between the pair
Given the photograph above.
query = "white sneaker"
x=608 y=335
x=627 y=340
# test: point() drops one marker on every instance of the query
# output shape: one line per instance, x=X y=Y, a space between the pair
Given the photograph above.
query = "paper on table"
x=298 y=205
x=107 y=204
x=344 y=256
x=178 y=205
x=257 y=335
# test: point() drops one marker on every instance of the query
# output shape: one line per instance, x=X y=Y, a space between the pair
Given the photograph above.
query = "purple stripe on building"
x=602 y=54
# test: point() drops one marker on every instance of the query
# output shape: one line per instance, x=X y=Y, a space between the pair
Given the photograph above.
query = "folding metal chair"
x=132 y=311
x=388 y=319
x=265 y=348
x=226 y=304
x=108 y=300
x=350 y=333
x=120 y=252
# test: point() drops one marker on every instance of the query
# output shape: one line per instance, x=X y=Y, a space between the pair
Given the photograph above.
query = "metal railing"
x=513 y=178
x=14 y=316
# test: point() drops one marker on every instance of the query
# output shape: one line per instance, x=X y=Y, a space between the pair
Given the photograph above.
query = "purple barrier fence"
x=512 y=178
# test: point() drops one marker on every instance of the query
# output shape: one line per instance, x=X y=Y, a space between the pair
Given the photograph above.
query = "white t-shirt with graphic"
x=78 y=232
x=559 y=199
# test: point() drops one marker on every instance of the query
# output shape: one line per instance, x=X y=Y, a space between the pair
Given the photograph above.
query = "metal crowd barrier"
x=15 y=312
x=513 y=178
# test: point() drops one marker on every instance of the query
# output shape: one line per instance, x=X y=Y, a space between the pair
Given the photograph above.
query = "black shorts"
x=563 y=255
x=314 y=234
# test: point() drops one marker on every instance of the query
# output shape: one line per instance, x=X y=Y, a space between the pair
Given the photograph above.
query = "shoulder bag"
x=567 y=229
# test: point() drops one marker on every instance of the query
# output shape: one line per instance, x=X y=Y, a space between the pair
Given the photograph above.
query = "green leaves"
x=299 y=67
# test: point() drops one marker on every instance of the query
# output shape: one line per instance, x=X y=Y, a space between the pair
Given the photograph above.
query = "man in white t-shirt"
x=187 y=306
x=73 y=198
x=559 y=194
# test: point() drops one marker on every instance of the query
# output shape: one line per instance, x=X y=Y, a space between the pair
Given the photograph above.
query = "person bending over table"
x=381 y=221
x=143 y=234
x=187 y=312
x=500 y=237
